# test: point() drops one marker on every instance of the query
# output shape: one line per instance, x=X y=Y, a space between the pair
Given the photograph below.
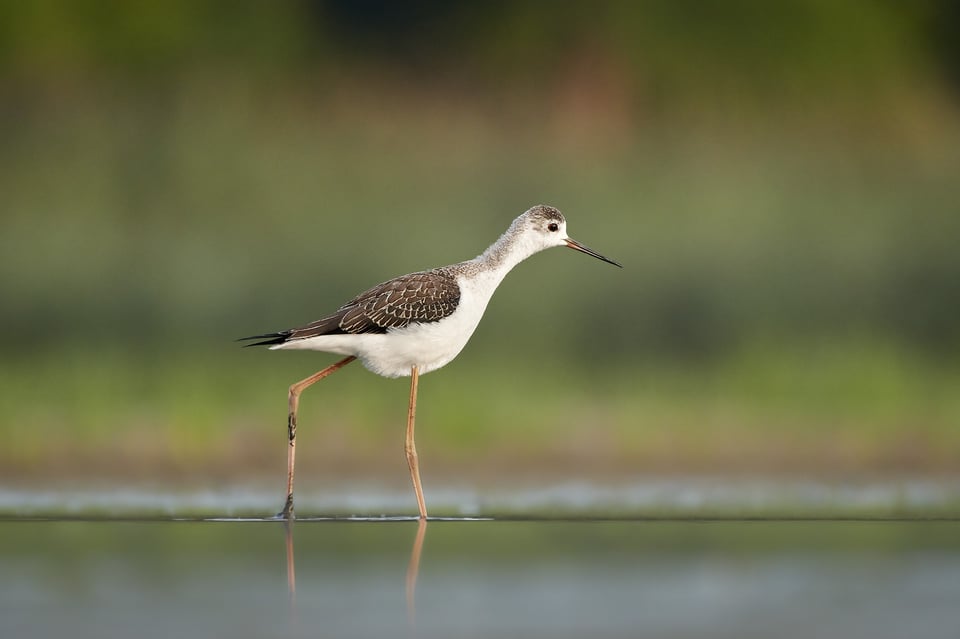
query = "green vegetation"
x=782 y=190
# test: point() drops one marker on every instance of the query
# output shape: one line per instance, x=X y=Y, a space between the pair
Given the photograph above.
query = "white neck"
x=510 y=249
x=489 y=268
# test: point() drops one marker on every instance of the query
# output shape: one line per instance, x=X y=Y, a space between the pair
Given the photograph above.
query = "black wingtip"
x=268 y=339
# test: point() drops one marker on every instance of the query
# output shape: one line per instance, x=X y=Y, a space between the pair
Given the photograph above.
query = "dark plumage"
x=427 y=296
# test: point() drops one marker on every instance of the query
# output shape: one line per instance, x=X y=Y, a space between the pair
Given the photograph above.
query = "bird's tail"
x=268 y=339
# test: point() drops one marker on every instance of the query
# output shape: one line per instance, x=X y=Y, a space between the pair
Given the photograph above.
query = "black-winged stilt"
x=416 y=323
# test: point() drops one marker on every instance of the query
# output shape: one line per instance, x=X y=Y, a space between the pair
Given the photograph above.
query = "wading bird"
x=416 y=323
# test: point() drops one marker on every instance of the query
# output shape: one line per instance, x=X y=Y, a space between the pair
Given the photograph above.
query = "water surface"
x=529 y=578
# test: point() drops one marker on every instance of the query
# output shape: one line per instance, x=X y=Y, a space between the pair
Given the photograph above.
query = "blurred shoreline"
x=780 y=186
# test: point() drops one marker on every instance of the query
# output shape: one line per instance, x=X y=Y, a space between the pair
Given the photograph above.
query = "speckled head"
x=541 y=213
x=549 y=224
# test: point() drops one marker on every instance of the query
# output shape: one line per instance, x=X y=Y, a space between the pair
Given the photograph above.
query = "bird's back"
x=389 y=327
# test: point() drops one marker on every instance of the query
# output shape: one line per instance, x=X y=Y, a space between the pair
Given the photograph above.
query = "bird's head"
x=546 y=227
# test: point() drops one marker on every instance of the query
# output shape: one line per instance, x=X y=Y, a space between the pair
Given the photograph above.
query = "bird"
x=415 y=323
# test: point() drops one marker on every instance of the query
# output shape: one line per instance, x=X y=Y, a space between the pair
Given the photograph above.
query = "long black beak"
x=589 y=251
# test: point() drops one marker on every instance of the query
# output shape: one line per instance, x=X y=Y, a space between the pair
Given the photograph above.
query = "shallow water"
x=638 y=498
x=520 y=578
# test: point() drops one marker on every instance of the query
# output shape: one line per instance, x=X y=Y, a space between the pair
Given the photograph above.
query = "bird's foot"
x=287 y=512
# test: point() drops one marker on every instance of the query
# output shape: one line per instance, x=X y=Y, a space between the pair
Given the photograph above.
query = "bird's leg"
x=293 y=399
x=410 y=446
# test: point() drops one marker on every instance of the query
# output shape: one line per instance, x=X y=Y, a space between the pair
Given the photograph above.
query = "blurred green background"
x=780 y=182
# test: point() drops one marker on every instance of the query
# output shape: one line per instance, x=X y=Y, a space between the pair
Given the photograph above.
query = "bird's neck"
x=509 y=250
x=488 y=269
x=484 y=273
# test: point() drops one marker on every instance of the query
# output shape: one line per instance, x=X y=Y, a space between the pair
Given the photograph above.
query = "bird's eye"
x=553 y=226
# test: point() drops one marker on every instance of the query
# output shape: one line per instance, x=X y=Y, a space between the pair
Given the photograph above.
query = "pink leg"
x=294 y=401
x=410 y=446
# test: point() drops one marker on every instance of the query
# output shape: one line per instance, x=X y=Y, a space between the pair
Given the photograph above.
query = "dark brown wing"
x=423 y=297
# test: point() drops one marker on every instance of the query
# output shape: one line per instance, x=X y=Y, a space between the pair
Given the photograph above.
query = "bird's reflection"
x=413 y=568
x=291 y=567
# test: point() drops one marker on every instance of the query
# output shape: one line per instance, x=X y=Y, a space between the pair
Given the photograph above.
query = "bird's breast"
x=427 y=345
